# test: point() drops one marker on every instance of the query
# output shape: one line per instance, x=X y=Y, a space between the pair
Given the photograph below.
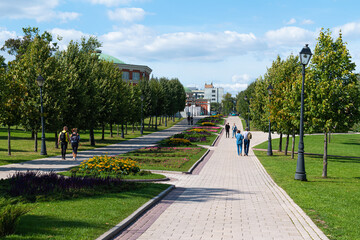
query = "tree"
x=228 y=104
x=216 y=107
x=332 y=97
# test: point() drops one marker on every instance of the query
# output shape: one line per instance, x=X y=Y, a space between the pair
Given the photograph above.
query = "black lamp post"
x=248 y=121
x=142 y=120
x=40 y=81
x=300 y=174
x=269 y=150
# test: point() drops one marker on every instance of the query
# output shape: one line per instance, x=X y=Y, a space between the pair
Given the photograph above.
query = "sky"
x=229 y=43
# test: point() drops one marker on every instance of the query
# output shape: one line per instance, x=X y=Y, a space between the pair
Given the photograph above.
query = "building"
x=195 y=106
x=130 y=72
x=215 y=95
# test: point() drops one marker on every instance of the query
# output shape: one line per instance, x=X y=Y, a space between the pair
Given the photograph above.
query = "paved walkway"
x=57 y=164
x=232 y=198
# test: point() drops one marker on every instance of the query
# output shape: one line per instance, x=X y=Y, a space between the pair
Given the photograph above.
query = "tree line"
x=80 y=89
x=332 y=94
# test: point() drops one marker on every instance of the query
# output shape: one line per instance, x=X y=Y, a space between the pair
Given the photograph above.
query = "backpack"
x=249 y=136
x=74 y=138
x=63 y=136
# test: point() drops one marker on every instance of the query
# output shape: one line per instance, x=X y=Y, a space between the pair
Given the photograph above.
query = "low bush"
x=174 y=142
x=10 y=213
x=207 y=124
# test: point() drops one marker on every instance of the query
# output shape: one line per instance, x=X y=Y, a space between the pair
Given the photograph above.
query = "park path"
x=57 y=164
x=232 y=197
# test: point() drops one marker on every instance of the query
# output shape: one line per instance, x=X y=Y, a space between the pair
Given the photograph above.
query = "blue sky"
x=229 y=43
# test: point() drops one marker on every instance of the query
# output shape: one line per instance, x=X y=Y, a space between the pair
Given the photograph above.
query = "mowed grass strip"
x=340 y=144
x=167 y=158
x=22 y=146
x=332 y=203
x=84 y=217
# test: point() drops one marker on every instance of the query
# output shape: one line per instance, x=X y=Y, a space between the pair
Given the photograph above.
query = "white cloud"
x=291 y=21
x=289 y=36
x=244 y=78
x=40 y=10
x=232 y=88
x=351 y=30
x=127 y=14
x=307 y=22
x=111 y=3
x=67 y=35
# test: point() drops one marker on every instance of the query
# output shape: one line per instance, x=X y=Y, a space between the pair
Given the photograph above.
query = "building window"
x=213 y=99
x=125 y=75
x=136 y=76
x=213 y=91
x=213 y=95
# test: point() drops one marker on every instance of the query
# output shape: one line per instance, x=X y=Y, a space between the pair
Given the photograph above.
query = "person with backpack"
x=74 y=139
x=239 y=141
x=247 y=137
x=64 y=139
x=234 y=129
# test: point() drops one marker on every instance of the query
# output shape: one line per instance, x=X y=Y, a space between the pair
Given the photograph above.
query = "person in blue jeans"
x=239 y=141
x=246 y=141
x=234 y=129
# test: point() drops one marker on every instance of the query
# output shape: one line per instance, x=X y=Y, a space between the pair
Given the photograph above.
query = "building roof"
x=109 y=58
x=187 y=90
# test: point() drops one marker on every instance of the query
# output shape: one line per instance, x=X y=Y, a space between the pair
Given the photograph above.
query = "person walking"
x=247 y=137
x=192 y=121
x=234 y=129
x=64 y=139
x=227 y=129
x=75 y=140
x=239 y=141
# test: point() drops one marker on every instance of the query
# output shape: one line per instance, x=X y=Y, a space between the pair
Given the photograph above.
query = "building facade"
x=214 y=94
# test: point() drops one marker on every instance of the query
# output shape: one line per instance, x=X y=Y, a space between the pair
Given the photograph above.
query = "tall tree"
x=228 y=104
x=332 y=97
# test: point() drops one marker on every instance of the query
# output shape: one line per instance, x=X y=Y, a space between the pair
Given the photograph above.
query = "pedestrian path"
x=232 y=197
x=57 y=164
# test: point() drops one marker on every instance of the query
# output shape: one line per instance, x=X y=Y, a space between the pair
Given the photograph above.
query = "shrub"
x=109 y=165
x=171 y=142
x=10 y=214
x=179 y=135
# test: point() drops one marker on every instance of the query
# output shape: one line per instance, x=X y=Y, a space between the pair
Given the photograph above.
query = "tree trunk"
x=122 y=131
x=165 y=121
x=32 y=134
x=133 y=126
x=280 y=143
x=102 y=132
x=92 y=137
x=126 y=128
x=56 y=141
x=293 y=145
x=111 y=131
x=287 y=144
x=325 y=162
x=35 y=143
x=117 y=130
x=156 y=122
x=9 y=141
x=149 y=122
x=329 y=138
x=174 y=117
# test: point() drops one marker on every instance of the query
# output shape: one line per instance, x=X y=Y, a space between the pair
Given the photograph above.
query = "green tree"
x=332 y=98
x=228 y=104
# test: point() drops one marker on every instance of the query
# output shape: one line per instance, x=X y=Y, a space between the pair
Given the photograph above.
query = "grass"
x=208 y=142
x=125 y=177
x=167 y=158
x=340 y=145
x=23 y=146
x=333 y=203
x=243 y=122
x=84 y=217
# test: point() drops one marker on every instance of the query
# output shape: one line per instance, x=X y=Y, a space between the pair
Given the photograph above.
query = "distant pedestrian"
x=192 y=120
x=234 y=129
x=227 y=129
x=75 y=140
x=188 y=118
x=239 y=142
x=247 y=137
x=64 y=139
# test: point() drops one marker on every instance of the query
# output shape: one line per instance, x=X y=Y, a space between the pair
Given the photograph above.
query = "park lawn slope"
x=332 y=203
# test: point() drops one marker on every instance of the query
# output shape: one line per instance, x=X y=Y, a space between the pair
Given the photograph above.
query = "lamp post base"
x=300 y=176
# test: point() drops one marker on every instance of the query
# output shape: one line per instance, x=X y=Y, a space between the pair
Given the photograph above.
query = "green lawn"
x=23 y=146
x=167 y=158
x=332 y=203
x=340 y=144
x=210 y=140
x=83 y=217
x=125 y=177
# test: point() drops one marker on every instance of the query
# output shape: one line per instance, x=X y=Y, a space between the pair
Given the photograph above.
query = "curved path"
x=57 y=164
x=233 y=197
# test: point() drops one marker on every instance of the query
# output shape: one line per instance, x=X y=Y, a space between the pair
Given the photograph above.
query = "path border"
x=130 y=219
x=197 y=162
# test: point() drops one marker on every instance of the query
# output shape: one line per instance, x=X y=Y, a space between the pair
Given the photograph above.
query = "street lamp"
x=300 y=174
x=142 y=120
x=40 y=81
x=248 y=121
x=269 y=150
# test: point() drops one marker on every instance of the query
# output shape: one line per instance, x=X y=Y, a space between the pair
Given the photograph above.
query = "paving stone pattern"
x=231 y=198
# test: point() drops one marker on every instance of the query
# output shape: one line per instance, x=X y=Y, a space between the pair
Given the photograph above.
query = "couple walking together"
x=240 y=138
x=64 y=138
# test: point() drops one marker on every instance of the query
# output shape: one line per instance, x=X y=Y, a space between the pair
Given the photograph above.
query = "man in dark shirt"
x=227 y=129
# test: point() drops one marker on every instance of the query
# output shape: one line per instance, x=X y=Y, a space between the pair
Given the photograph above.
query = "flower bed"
x=208 y=124
x=108 y=165
x=171 y=142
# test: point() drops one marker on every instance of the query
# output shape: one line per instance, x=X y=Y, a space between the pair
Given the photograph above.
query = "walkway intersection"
x=231 y=198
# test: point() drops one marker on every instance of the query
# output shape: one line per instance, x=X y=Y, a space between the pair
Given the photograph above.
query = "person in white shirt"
x=246 y=142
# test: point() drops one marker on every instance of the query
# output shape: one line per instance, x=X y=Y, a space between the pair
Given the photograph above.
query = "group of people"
x=65 y=138
x=240 y=138
x=190 y=120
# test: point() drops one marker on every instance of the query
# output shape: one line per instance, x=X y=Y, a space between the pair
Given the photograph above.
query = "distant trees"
x=80 y=90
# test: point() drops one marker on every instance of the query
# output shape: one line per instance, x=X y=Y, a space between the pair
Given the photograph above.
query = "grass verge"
x=332 y=203
x=125 y=177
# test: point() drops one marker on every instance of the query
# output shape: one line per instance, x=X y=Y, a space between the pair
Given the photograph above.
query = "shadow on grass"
x=338 y=159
